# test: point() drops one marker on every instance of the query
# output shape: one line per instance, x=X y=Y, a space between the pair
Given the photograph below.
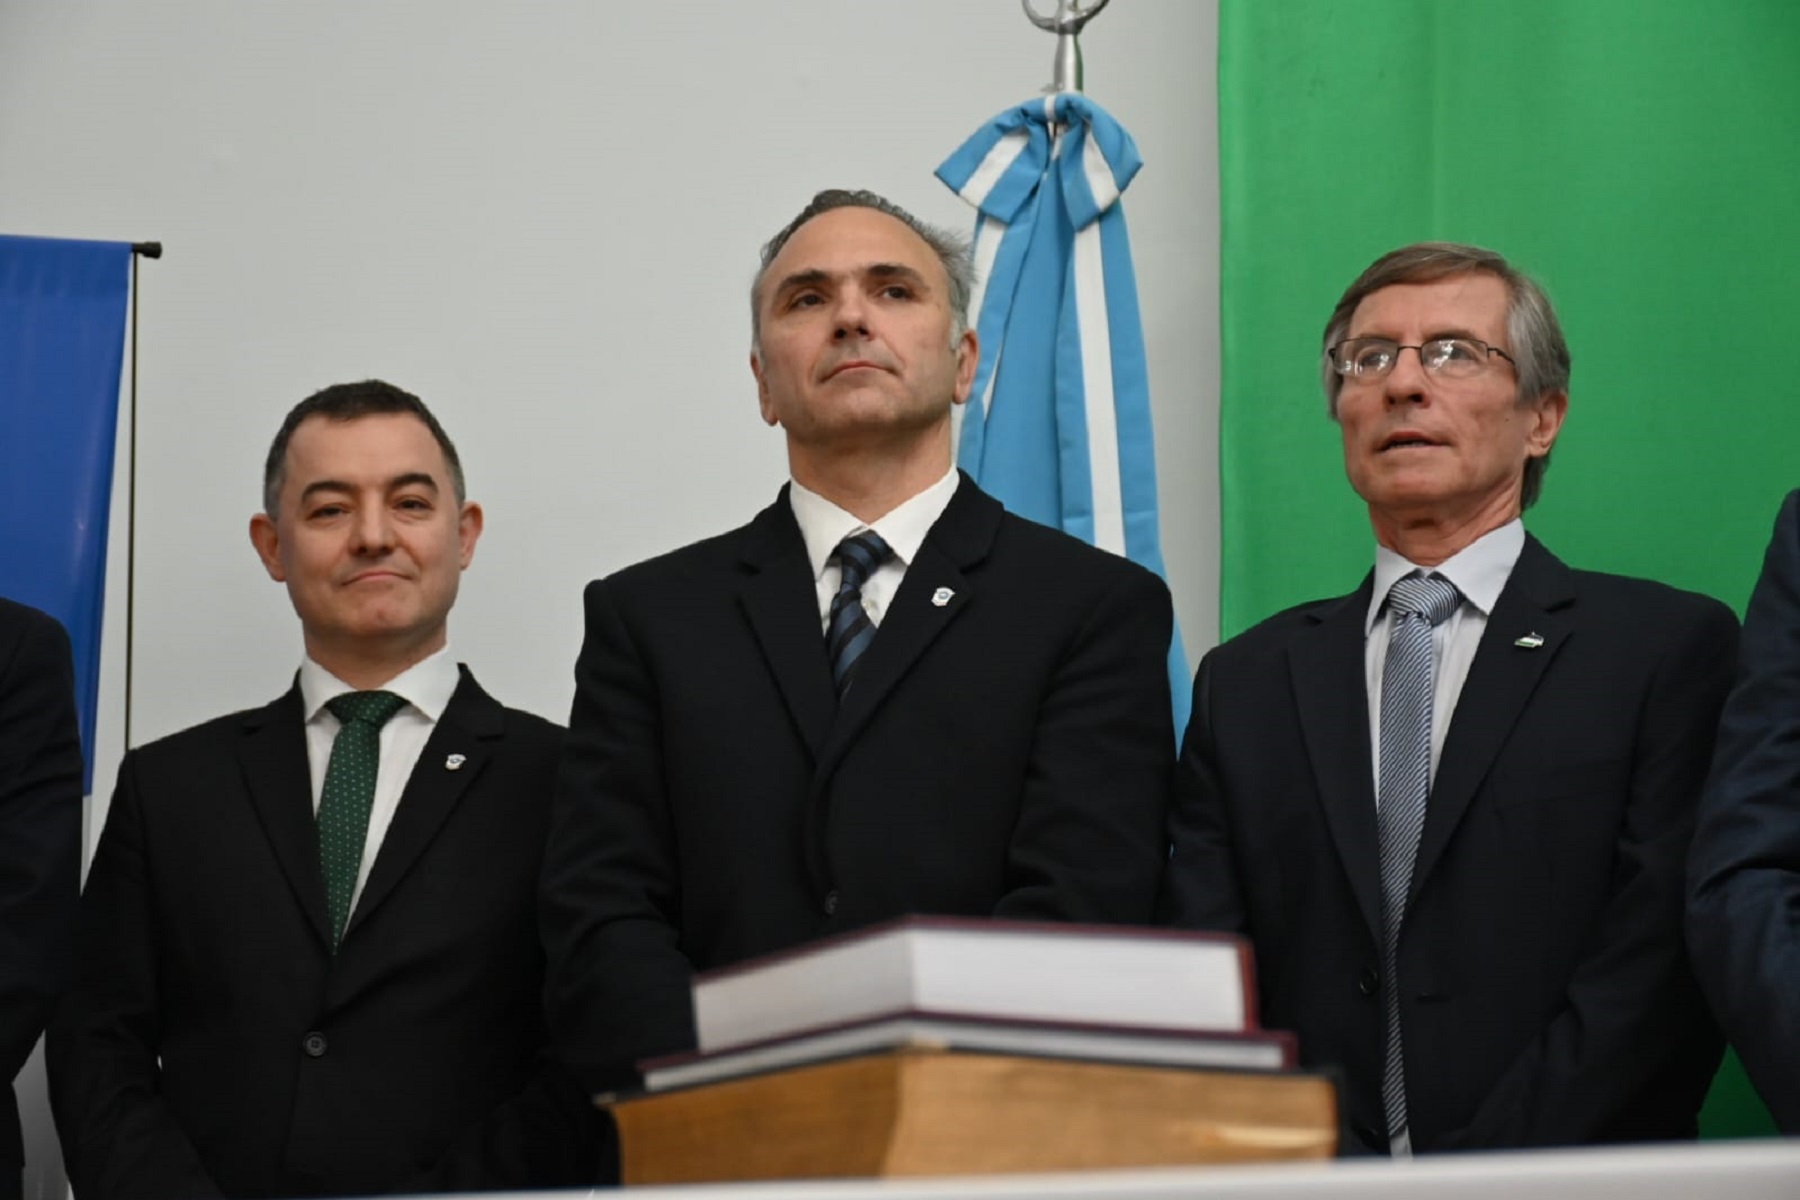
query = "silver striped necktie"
x=1418 y=603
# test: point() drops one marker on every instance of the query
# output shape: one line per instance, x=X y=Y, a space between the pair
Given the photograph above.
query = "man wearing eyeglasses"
x=1450 y=809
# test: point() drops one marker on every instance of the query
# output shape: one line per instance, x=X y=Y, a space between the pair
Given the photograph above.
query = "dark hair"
x=1540 y=354
x=952 y=252
x=347 y=402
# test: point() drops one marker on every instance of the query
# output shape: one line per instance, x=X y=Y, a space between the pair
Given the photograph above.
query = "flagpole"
x=138 y=250
x=1071 y=16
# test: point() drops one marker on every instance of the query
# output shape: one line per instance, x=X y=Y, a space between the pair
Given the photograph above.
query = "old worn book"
x=1259 y=1051
x=1016 y=970
x=928 y=1112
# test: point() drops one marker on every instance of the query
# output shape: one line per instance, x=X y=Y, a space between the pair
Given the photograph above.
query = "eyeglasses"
x=1371 y=358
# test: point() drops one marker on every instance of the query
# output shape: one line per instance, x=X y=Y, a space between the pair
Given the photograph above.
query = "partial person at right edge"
x=1451 y=808
x=1744 y=871
x=40 y=846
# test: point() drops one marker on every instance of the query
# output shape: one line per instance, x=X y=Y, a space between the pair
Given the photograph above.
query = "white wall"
x=542 y=217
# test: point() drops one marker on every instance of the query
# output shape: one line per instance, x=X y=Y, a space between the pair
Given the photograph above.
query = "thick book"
x=1015 y=970
x=1261 y=1051
x=922 y=1112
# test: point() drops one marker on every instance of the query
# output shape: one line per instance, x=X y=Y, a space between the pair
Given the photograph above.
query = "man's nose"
x=850 y=315
x=373 y=530
x=1406 y=379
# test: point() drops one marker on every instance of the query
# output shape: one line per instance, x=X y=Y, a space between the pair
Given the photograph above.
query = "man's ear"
x=267 y=540
x=468 y=531
x=968 y=354
x=762 y=390
x=1550 y=409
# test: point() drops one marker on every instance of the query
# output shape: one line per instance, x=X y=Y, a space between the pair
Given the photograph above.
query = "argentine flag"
x=1058 y=421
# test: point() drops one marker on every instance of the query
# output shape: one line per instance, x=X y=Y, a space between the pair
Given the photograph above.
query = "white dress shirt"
x=1479 y=571
x=823 y=525
x=426 y=687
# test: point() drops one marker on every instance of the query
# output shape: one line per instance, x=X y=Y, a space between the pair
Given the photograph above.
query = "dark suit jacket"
x=1744 y=909
x=40 y=842
x=1545 y=995
x=1005 y=752
x=212 y=1043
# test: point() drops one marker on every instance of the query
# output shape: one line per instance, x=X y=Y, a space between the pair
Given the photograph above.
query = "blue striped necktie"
x=1419 y=603
x=849 y=631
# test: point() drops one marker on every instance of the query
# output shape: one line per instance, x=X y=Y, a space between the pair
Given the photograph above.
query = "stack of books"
x=935 y=1046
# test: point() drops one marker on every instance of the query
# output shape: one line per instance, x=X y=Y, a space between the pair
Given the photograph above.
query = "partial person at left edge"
x=40 y=845
x=308 y=960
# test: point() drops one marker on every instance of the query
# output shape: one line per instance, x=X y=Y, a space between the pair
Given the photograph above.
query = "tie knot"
x=368 y=708
x=858 y=556
x=1430 y=596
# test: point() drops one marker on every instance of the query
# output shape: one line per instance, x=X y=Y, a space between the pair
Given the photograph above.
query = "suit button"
x=831 y=901
x=314 y=1044
x=1369 y=982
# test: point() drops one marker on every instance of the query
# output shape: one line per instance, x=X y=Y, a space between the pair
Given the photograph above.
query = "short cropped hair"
x=952 y=252
x=1540 y=354
x=347 y=402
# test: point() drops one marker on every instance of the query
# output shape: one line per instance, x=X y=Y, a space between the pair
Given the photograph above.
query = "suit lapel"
x=471 y=726
x=1330 y=683
x=1535 y=604
x=272 y=754
x=782 y=606
x=958 y=540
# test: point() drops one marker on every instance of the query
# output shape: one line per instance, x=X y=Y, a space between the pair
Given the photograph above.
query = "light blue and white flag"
x=1058 y=422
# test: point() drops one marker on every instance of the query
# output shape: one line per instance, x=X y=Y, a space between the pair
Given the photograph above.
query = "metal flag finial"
x=1071 y=16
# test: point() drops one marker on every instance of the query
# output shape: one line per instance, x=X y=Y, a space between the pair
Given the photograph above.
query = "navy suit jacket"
x=1005 y=751
x=40 y=842
x=213 y=1044
x=1546 y=997
x=1744 y=873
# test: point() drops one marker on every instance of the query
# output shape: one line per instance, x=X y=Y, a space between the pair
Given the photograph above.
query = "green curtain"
x=1640 y=158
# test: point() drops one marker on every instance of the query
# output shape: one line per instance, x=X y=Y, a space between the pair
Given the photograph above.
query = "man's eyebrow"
x=896 y=271
x=800 y=279
x=409 y=479
x=1454 y=331
x=816 y=276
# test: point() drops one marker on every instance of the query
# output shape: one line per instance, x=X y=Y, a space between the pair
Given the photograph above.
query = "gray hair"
x=952 y=250
x=1539 y=353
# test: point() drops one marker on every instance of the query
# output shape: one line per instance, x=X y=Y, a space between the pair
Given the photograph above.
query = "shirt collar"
x=1479 y=570
x=426 y=685
x=823 y=524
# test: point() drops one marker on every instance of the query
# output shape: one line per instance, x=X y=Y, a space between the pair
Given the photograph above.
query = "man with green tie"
x=309 y=961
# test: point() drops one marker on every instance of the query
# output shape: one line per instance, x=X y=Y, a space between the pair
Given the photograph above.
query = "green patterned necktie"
x=348 y=793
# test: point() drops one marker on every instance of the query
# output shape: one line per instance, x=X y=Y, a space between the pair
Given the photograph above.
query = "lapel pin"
x=454 y=762
x=1530 y=641
x=941 y=597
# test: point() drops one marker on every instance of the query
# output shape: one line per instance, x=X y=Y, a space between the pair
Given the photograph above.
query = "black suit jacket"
x=1545 y=994
x=1744 y=912
x=40 y=842
x=213 y=1044
x=1005 y=750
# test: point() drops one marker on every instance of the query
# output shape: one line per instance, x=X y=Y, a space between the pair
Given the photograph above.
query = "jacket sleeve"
x=119 y=1137
x=618 y=985
x=1089 y=843
x=1200 y=888
x=1744 y=871
x=40 y=832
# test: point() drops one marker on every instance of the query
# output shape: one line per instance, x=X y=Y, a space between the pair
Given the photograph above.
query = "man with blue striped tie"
x=1450 y=809
x=883 y=695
